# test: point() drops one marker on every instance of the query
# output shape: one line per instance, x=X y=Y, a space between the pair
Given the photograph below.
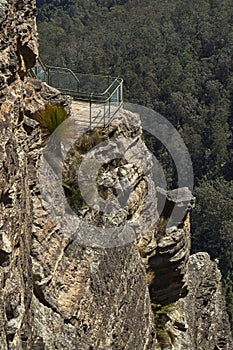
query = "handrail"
x=64 y=69
x=50 y=74
x=94 y=95
x=116 y=79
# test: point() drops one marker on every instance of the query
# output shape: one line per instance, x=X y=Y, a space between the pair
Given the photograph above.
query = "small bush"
x=50 y=118
x=75 y=198
x=89 y=140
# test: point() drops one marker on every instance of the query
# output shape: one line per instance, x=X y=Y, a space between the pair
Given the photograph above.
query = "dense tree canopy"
x=176 y=57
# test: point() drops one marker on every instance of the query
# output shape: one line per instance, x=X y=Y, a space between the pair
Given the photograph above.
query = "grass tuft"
x=89 y=140
x=50 y=118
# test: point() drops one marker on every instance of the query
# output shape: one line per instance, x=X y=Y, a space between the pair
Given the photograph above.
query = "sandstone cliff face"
x=58 y=294
x=18 y=51
x=204 y=307
x=91 y=298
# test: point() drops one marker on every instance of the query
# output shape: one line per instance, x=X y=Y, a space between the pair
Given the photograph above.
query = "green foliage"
x=212 y=221
x=89 y=140
x=50 y=118
x=213 y=228
x=74 y=159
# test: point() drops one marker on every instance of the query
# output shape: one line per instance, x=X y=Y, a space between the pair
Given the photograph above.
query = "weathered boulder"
x=38 y=95
x=174 y=205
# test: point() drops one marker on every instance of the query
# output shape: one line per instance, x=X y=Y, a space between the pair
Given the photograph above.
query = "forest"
x=175 y=56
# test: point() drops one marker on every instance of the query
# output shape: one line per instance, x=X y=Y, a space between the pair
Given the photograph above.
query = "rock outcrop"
x=56 y=293
x=95 y=296
x=204 y=307
x=38 y=95
x=169 y=254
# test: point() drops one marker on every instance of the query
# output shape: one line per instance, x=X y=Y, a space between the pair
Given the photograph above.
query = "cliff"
x=57 y=293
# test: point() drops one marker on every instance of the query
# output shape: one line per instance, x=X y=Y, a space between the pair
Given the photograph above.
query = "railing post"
x=121 y=92
x=109 y=108
x=104 y=115
x=48 y=82
x=90 y=111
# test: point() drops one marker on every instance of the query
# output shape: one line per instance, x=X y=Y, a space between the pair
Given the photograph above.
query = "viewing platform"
x=98 y=97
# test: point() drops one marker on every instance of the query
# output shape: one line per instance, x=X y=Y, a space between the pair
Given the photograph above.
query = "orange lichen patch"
x=187 y=222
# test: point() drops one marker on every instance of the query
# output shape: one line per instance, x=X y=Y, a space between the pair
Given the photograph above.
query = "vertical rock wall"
x=18 y=42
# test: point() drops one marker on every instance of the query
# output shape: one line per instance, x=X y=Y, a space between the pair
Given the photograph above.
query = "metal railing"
x=106 y=92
